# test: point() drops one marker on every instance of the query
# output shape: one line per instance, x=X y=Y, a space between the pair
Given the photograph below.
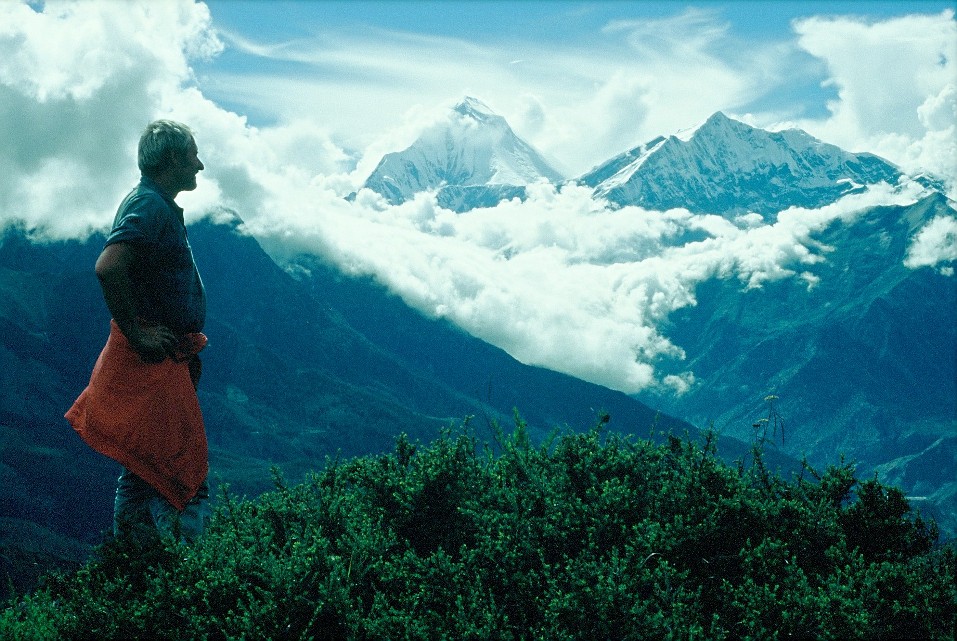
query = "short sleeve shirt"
x=167 y=287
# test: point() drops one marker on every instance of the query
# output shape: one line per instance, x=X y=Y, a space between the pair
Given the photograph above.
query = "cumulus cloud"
x=896 y=89
x=642 y=86
x=78 y=82
x=561 y=280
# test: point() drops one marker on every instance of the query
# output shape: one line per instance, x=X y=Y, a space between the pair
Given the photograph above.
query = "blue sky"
x=547 y=20
x=293 y=105
x=551 y=68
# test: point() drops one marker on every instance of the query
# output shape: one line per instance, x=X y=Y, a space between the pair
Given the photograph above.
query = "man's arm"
x=153 y=344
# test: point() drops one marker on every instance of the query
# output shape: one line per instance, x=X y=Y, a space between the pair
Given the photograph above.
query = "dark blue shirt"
x=167 y=288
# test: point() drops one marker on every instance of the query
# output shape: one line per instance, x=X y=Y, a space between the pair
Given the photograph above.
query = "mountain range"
x=306 y=362
x=863 y=363
x=860 y=363
x=473 y=159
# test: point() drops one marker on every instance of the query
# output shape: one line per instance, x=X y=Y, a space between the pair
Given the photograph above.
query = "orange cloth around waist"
x=146 y=416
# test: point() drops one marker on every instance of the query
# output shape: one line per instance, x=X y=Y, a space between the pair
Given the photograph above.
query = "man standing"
x=140 y=407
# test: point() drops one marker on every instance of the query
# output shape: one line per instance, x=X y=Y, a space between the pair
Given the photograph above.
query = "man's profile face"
x=187 y=166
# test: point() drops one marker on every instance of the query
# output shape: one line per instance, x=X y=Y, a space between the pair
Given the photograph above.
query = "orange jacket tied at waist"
x=146 y=416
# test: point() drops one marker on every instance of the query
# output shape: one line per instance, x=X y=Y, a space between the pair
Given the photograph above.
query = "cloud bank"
x=562 y=280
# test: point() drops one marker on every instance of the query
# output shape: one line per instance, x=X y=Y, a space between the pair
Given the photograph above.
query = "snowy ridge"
x=625 y=174
x=727 y=167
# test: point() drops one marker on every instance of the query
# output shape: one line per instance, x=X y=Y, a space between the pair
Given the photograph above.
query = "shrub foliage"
x=586 y=537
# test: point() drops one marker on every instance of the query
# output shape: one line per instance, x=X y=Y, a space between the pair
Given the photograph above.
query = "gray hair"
x=159 y=141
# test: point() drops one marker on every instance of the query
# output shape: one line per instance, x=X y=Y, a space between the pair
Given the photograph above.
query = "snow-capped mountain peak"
x=726 y=166
x=475 y=108
x=473 y=147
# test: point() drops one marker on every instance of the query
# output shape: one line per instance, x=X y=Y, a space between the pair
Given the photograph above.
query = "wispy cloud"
x=687 y=36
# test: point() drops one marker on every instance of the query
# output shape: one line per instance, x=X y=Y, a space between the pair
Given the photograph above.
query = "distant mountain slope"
x=864 y=362
x=351 y=334
x=282 y=376
x=473 y=368
x=727 y=167
x=472 y=148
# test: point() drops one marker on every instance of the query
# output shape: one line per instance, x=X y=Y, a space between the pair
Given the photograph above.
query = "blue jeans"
x=142 y=512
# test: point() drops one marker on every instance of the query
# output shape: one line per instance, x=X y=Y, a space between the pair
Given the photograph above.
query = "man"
x=140 y=407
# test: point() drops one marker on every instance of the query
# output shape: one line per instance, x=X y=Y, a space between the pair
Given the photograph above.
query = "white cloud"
x=78 y=82
x=648 y=78
x=75 y=49
x=896 y=88
x=69 y=148
x=935 y=243
x=559 y=281
x=687 y=36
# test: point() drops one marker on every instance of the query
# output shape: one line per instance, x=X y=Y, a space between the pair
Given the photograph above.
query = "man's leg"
x=186 y=526
x=142 y=512
x=131 y=509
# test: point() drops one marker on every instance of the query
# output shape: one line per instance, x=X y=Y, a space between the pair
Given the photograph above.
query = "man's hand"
x=153 y=344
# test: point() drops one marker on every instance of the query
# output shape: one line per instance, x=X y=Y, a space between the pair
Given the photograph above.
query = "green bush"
x=587 y=537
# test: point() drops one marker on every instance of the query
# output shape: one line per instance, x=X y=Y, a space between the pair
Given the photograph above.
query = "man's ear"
x=173 y=158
